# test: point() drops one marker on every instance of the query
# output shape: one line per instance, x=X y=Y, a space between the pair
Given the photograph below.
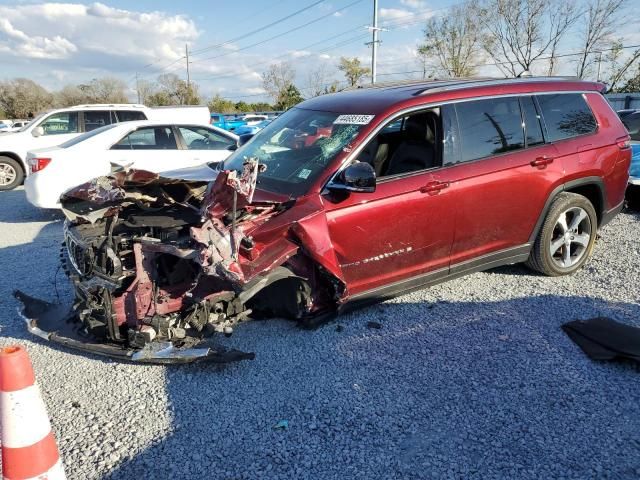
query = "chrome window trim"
x=406 y=111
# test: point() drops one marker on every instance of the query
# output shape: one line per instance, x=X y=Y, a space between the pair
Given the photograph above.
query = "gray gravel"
x=470 y=379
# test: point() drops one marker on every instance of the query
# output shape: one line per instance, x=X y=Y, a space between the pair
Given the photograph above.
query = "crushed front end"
x=161 y=266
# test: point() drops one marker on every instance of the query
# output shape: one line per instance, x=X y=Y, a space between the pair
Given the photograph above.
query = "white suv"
x=53 y=128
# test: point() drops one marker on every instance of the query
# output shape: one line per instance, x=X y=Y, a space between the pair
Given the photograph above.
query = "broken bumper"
x=57 y=323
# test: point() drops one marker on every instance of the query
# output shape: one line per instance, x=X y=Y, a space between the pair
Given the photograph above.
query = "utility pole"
x=374 y=42
x=374 y=46
x=186 y=54
x=138 y=87
x=599 y=63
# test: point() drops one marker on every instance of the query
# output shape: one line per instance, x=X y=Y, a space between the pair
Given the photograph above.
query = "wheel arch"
x=592 y=188
x=16 y=157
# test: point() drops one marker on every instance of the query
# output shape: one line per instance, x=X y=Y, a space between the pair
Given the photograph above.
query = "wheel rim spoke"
x=566 y=256
x=577 y=219
x=562 y=222
x=7 y=174
x=556 y=245
x=581 y=239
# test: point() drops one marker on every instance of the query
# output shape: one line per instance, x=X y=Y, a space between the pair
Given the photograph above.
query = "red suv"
x=407 y=186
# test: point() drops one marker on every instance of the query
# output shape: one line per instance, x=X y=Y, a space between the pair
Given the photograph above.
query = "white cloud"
x=253 y=90
x=65 y=30
x=395 y=14
x=414 y=4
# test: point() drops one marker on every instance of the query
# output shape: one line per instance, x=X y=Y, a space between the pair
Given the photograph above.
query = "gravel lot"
x=470 y=379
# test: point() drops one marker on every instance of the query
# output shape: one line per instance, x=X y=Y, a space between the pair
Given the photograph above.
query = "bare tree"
x=277 y=79
x=105 y=90
x=172 y=90
x=70 y=95
x=454 y=40
x=598 y=25
x=618 y=66
x=567 y=16
x=318 y=80
x=353 y=70
x=144 y=89
x=23 y=98
x=521 y=31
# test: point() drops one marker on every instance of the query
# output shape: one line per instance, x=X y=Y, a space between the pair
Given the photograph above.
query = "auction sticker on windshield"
x=353 y=119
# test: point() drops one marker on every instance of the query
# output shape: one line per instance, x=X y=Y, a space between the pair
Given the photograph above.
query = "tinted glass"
x=61 y=123
x=130 y=115
x=152 y=138
x=96 y=119
x=532 y=126
x=489 y=127
x=199 y=138
x=632 y=124
x=450 y=135
x=566 y=115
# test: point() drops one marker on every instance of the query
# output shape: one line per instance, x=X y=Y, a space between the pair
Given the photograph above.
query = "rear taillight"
x=624 y=142
x=38 y=164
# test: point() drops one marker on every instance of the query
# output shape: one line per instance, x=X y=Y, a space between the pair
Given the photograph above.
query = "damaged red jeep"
x=344 y=199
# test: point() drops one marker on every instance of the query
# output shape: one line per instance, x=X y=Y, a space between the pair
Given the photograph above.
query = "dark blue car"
x=631 y=120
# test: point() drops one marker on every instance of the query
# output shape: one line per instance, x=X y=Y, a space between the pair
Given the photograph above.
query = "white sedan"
x=143 y=145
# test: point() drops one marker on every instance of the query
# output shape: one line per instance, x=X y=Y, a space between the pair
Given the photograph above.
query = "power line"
x=299 y=27
x=257 y=30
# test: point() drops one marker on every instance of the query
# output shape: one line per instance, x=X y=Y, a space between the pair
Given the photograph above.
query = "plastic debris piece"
x=282 y=425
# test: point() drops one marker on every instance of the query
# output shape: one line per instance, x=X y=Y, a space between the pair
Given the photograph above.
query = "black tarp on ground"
x=602 y=338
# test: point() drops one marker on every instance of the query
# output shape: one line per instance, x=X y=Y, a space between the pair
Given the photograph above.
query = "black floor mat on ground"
x=602 y=338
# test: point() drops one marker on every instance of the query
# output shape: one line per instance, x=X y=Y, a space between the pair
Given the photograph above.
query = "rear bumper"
x=57 y=323
x=38 y=195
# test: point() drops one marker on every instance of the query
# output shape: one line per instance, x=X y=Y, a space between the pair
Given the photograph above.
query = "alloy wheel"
x=571 y=237
x=8 y=174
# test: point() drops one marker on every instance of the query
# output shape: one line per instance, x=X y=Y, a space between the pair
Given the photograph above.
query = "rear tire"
x=565 y=241
x=11 y=174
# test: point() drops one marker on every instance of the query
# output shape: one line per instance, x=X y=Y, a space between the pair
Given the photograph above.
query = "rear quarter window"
x=566 y=115
x=130 y=115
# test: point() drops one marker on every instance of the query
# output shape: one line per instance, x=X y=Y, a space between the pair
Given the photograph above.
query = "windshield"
x=297 y=147
x=86 y=136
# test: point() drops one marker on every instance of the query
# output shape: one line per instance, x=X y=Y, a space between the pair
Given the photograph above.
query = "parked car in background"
x=254 y=119
x=18 y=124
x=227 y=122
x=631 y=120
x=5 y=125
x=252 y=129
x=152 y=146
x=384 y=191
x=58 y=126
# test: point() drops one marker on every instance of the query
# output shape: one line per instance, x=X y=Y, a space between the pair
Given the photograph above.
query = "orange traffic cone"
x=29 y=449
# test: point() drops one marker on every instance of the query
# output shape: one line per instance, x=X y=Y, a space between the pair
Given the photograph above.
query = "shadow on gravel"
x=16 y=209
x=445 y=390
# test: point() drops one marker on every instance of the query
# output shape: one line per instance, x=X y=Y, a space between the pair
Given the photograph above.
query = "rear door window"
x=489 y=127
x=566 y=115
x=61 y=123
x=151 y=138
x=95 y=119
x=199 y=138
x=130 y=115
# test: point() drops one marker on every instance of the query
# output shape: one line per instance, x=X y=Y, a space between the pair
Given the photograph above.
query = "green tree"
x=243 y=107
x=21 y=97
x=219 y=104
x=288 y=98
x=353 y=70
x=261 y=107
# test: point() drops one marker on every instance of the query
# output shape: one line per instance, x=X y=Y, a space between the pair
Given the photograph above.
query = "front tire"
x=11 y=174
x=567 y=236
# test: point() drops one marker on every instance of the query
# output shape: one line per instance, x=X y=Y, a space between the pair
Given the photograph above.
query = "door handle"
x=433 y=188
x=541 y=162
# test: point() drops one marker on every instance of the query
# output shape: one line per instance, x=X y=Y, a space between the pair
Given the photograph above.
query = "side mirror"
x=242 y=139
x=357 y=177
x=37 y=132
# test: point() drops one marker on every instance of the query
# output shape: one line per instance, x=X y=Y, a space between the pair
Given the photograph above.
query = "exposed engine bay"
x=160 y=266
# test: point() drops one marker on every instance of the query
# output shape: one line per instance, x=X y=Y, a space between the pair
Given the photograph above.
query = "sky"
x=230 y=43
